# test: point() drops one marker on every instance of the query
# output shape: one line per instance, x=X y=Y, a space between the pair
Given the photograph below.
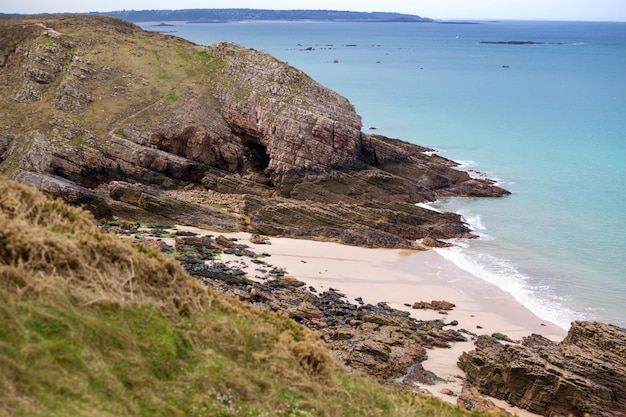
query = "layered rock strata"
x=582 y=375
x=95 y=110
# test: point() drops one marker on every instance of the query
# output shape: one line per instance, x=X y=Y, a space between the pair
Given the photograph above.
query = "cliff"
x=137 y=124
x=582 y=375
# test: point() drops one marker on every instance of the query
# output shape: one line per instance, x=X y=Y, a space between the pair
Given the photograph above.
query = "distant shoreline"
x=242 y=15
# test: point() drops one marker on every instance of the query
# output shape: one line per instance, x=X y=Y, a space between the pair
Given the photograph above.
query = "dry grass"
x=129 y=74
x=47 y=246
x=92 y=325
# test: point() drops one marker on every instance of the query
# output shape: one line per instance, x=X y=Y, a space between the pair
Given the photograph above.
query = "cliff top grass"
x=109 y=74
x=122 y=69
x=95 y=325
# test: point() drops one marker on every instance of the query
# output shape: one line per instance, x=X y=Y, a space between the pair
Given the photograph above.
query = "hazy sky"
x=614 y=10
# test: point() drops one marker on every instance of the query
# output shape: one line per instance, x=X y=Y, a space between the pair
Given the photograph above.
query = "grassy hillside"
x=93 y=325
x=121 y=68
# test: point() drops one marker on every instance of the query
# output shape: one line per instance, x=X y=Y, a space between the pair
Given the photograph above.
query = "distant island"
x=238 y=15
x=511 y=43
x=521 y=43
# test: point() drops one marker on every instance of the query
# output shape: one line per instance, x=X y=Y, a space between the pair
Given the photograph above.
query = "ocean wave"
x=507 y=277
x=465 y=164
x=475 y=224
x=428 y=207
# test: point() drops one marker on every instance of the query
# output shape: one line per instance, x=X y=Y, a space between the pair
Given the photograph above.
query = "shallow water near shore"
x=547 y=120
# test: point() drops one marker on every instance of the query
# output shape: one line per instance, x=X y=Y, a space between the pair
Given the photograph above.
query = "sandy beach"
x=400 y=278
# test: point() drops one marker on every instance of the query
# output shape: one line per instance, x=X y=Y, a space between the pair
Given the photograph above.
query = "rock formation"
x=582 y=375
x=104 y=114
x=374 y=339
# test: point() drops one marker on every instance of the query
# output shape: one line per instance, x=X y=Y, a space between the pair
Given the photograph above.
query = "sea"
x=544 y=116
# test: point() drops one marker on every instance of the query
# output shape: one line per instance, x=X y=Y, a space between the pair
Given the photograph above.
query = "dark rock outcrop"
x=511 y=43
x=374 y=339
x=372 y=224
x=112 y=104
x=582 y=375
x=377 y=340
x=441 y=305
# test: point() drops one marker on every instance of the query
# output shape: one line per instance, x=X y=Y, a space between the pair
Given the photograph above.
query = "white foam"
x=505 y=276
x=431 y=153
x=475 y=223
x=469 y=165
x=427 y=207
x=465 y=164
x=476 y=174
x=486 y=176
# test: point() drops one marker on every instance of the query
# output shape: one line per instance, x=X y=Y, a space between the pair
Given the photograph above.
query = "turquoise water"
x=548 y=121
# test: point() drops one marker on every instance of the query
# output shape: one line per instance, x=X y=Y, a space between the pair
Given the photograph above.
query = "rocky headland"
x=246 y=15
x=136 y=124
x=139 y=125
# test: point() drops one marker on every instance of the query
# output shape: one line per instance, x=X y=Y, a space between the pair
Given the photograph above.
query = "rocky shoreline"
x=112 y=134
x=392 y=346
x=378 y=340
x=138 y=125
x=582 y=375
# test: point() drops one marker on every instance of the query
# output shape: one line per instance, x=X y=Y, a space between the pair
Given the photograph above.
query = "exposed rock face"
x=372 y=224
x=112 y=103
x=582 y=375
x=315 y=128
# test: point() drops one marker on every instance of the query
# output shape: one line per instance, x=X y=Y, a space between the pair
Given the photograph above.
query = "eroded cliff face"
x=102 y=113
x=582 y=375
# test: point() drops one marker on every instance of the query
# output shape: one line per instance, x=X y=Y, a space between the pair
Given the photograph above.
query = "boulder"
x=582 y=375
x=441 y=305
x=470 y=399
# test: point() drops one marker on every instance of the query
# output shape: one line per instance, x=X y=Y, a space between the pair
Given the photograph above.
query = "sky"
x=602 y=10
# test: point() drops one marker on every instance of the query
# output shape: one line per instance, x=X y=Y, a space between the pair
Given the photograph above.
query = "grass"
x=126 y=70
x=94 y=325
x=137 y=80
x=171 y=95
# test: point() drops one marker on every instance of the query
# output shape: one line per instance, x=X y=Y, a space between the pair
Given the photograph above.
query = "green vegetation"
x=172 y=96
x=94 y=325
x=124 y=70
x=225 y=15
x=500 y=336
